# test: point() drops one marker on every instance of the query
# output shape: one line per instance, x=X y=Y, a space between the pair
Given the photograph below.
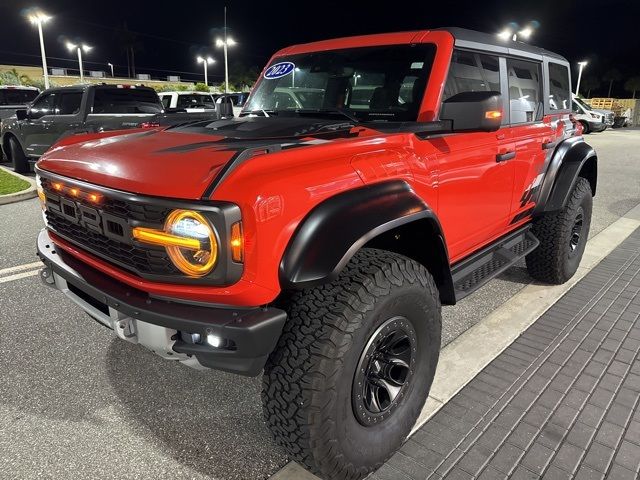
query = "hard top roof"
x=480 y=40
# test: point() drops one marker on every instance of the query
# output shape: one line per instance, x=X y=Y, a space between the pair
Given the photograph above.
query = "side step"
x=476 y=270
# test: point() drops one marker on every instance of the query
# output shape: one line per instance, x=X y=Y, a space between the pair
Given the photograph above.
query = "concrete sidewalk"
x=560 y=402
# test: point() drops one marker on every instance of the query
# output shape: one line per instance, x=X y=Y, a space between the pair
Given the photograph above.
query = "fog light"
x=214 y=340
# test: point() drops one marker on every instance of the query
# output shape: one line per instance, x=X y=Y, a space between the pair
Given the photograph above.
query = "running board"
x=476 y=270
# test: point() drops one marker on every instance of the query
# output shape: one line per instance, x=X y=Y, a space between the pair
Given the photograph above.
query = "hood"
x=182 y=161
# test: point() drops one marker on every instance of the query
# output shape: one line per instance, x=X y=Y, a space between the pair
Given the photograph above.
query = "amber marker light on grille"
x=57 y=186
x=95 y=198
x=237 y=242
x=74 y=192
x=493 y=114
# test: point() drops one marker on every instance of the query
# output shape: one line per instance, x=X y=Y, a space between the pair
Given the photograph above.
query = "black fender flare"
x=327 y=238
x=569 y=159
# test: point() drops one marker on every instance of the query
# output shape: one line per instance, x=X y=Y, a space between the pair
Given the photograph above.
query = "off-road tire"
x=554 y=261
x=18 y=158
x=308 y=379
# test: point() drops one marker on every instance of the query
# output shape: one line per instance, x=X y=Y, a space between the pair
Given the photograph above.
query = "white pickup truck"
x=192 y=102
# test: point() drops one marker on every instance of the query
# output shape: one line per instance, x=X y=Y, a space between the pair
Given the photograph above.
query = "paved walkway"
x=561 y=402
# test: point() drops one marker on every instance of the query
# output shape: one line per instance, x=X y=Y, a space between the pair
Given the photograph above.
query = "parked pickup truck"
x=59 y=112
x=13 y=97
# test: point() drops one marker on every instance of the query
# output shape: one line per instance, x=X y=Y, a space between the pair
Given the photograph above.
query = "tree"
x=611 y=76
x=589 y=83
x=130 y=45
x=632 y=85
x=201 y=87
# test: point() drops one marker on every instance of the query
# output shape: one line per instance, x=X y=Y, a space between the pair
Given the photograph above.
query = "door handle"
x=503 y=157
x=548 y=145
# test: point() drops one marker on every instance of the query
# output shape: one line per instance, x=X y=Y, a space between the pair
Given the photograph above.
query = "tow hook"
x=46 y=275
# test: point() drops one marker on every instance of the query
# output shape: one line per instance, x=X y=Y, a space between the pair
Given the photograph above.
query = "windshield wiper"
x=333 y=111
x=263 y=112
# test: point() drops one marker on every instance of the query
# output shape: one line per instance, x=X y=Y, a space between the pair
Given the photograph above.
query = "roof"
x=486 y=41
x=186 y=92
x=17 y=87
x=463 y=38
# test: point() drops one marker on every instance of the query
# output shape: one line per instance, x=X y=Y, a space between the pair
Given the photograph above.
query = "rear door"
x=531 y=132
x=475 y=171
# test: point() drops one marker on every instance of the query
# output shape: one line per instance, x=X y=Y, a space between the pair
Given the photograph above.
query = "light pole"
x=111 y=67
x=38 y=18
x=207 y=61
x=225 y=43
x=80 y=47
x=582 y=65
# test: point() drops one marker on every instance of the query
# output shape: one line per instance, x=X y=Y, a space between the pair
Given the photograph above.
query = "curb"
x=22 y=194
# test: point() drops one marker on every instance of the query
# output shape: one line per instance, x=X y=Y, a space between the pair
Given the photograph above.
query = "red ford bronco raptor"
x=314 y=238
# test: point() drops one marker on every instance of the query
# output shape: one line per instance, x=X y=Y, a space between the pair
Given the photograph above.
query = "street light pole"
x=582 y=65
x=111 y=66
x=38 y=18
x=206 y=61
x=79 y=47
x=225 y=43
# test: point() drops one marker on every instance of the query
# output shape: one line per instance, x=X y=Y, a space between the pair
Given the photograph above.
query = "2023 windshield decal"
x=279 y=70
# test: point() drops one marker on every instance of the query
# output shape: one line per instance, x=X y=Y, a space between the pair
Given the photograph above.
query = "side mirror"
x=473 y=111
x=21 y=114
x=224 y=107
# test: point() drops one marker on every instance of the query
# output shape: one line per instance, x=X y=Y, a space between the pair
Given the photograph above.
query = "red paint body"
x=474 y=197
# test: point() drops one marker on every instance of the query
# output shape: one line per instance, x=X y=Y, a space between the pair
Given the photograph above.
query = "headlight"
x=189 y=240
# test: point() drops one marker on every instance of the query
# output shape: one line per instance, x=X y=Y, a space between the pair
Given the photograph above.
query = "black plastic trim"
x=562 y=173
x=254 y=331
x=337 y=228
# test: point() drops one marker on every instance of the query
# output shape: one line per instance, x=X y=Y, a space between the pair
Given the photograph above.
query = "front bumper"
x=597 y=126
x=249 y=335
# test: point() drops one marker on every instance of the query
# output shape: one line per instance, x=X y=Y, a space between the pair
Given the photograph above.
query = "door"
x=475 y=171
x=531 y=133
x=35 y=130
x=68 y=119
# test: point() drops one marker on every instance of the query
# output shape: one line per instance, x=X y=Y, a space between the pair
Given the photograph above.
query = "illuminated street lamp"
x=111 y=67
x=224 y=43
x=79 y=47
x=582 y=65
x=513 y=34
x=37 y=18
x=207 y=61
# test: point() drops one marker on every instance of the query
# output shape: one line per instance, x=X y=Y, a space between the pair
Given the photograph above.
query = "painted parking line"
x=20 y=268
x=462 y=360
x=18 y=276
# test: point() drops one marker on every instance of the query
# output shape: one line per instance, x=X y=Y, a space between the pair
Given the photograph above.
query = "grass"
x=10 y=183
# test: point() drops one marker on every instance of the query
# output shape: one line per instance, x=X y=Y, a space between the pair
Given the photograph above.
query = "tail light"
x=148 y=125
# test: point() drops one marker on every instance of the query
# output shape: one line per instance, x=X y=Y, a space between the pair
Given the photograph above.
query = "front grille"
x=144 y=260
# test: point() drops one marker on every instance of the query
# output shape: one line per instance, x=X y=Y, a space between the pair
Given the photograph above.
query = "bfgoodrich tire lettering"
x=308 y=379
x=563 y=237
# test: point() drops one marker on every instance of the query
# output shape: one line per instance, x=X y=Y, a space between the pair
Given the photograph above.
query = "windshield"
x=371 y=84
x=586 y=106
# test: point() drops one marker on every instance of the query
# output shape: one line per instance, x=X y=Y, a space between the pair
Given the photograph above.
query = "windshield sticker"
x=279 y=70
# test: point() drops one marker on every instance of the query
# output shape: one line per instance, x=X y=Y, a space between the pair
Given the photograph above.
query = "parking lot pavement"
x=560 y=402
x=91 y=405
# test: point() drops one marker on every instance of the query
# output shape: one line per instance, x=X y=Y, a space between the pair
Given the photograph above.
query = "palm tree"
x=590 y=83
x=130 y=45
x=611 y=76
x=632 y=85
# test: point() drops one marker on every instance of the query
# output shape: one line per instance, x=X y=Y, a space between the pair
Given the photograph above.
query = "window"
x=525 y=86
x=472 y=72
x=125 y=101
x=17 y=96
x=372 y=83
x=166 y=101
x=195 y=101
x=44 y=105
x=68 y=103
x=559 y=89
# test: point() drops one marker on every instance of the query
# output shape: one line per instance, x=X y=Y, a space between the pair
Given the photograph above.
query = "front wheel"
x=563 y=237
x=354 y=365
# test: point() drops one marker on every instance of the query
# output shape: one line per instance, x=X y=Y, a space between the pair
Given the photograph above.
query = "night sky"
x=170 y=37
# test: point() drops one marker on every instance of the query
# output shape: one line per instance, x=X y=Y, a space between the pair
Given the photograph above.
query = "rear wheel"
x=563 y=237
x=354 y=365
x=19 y=159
